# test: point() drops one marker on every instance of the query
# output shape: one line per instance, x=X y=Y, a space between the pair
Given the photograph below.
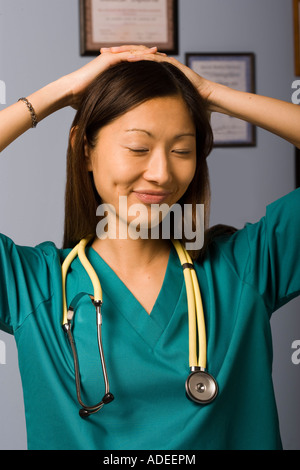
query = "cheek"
x=187 y=173
x=111 y=176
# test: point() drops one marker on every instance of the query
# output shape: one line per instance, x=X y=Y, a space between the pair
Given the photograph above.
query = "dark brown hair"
x=113 y=93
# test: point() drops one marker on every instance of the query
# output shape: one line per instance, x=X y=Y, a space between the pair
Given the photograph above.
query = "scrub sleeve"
x=266 y=255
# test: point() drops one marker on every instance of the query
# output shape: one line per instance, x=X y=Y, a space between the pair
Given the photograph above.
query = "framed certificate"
x=107 y=23
x=297 y=36
x=235 y=70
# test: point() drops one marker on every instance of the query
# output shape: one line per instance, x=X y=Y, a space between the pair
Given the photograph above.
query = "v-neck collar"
x=150 y=327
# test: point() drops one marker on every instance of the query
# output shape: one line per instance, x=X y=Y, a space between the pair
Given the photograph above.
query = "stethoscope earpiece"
x=84 y=413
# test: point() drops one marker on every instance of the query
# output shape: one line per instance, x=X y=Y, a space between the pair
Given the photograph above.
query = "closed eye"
x=182 y=151
x=138 y=150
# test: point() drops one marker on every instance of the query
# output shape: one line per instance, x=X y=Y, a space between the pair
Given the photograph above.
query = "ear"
x=87 y=155
x=87 y=150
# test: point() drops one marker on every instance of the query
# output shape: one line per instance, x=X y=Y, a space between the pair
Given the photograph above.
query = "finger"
x=133 y=48
x=128 y=48
x=157 y=57
x=162 y=54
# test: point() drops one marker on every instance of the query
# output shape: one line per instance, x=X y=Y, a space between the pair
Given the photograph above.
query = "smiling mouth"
x=152 y=197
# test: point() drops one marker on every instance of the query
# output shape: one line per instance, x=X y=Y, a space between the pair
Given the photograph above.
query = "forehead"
x=155 y=116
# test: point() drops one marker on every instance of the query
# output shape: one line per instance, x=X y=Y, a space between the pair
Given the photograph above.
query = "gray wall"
x=39 y=41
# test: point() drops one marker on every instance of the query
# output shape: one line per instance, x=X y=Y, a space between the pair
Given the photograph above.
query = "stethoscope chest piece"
x=201 y=387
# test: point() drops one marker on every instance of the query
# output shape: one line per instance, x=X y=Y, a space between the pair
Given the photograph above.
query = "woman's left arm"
x=276 y=116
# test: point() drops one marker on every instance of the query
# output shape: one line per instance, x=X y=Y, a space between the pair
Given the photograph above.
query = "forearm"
x=16 y=119
x=279 y=117
x=66 y=91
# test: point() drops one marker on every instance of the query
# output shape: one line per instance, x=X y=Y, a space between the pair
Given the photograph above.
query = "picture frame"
x=236 y=70
x=296 y=13
x=107 y=24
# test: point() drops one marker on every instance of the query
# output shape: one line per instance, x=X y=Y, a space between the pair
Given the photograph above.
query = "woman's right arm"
x=66 y=91
x=16 y=119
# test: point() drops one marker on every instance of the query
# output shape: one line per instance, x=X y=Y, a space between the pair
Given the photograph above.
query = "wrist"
x=214 y=94
x=51 y=98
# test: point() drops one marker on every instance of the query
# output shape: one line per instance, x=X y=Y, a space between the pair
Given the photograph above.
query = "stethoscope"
x=200 y=386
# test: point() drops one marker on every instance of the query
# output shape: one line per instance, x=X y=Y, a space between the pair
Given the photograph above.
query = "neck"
x=129 y=255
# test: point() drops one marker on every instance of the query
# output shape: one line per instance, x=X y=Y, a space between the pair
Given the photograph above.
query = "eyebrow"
x=139 y=130
x=184 y=134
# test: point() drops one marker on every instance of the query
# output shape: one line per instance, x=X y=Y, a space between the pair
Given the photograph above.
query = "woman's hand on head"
x=204 y=87
x=77 y=82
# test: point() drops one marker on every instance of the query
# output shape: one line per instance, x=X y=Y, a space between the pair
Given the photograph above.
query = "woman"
x=142 y=133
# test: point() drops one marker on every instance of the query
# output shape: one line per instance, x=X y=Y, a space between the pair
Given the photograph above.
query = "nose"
x=158 y=168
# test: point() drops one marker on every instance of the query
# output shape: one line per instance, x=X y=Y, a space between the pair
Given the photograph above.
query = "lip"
x=152 y=197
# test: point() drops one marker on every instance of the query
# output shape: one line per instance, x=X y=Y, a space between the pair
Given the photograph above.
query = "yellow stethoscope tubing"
x=195 y=310
x=79 y=250
x=195 y=306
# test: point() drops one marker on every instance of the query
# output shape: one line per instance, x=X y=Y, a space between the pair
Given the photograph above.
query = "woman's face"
x=148 y=156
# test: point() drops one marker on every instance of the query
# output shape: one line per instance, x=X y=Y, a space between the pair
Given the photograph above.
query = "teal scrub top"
x=244 y=278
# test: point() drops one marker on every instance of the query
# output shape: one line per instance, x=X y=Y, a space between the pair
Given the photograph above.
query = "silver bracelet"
x=31 y=110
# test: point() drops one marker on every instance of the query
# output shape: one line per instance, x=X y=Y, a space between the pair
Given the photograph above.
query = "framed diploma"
x=107 y=23
x=235 y=70
x=297 y=36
